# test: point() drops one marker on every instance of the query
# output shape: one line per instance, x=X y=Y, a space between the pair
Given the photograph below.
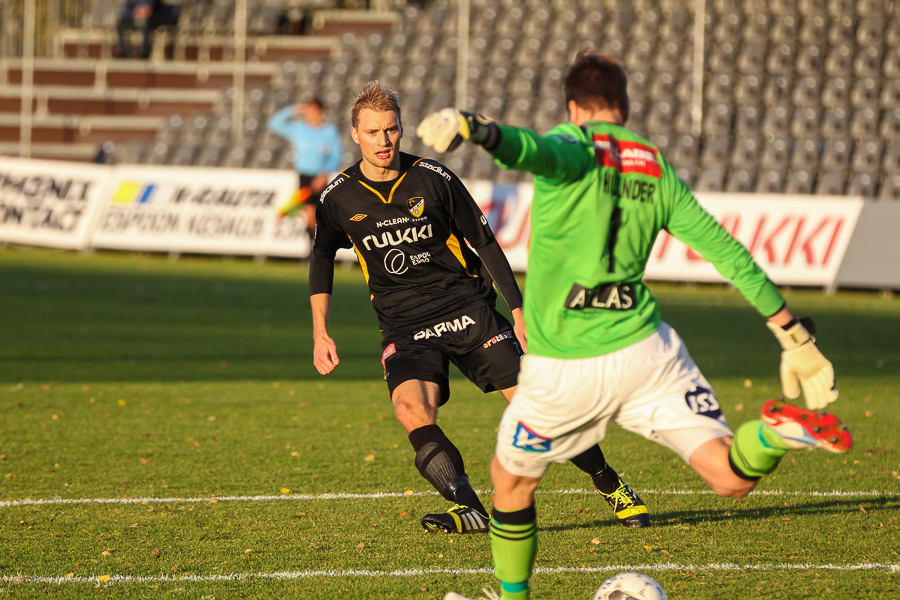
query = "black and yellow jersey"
x=410 y=236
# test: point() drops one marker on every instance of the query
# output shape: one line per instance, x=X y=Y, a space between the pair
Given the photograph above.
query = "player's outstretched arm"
x=447 y=128
x=803 y=367
x=325 y=356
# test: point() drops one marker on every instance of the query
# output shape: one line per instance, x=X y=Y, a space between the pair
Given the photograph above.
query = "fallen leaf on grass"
x=106 y=553
x=285 y=490
x=595 y=541
x=369 y=458
x=155 y=553
x=144 y=461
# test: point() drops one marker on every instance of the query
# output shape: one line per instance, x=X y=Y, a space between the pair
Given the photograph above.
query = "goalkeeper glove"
x=803 y=366
x=447 y=128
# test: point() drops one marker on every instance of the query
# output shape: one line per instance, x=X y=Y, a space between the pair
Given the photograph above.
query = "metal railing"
x=49 y=16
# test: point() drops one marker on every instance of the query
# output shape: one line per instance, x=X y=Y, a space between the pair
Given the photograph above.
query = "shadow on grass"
x=874 y=506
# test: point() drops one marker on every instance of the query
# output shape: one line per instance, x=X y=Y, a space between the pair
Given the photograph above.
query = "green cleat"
x=629 y=508
x=459 y=519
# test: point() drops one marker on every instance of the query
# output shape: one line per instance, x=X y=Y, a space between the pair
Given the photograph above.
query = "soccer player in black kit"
x=409 y=220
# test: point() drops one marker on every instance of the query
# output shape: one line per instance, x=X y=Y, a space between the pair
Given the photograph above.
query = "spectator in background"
x=143 y=16
x=317 y=152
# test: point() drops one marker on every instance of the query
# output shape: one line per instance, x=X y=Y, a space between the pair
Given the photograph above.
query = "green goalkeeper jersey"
x=601 y=196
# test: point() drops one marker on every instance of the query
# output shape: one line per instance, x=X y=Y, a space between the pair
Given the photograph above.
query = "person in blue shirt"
x=317 y=152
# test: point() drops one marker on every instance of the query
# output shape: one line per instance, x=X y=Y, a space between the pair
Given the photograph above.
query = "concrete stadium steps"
x=47 y=151
x=103 y=74
x=339 y=22
x=98 y=43
x=77 y=129
x=63 y=100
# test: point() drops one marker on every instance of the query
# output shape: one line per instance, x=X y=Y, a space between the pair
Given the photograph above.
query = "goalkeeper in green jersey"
x=598 y=349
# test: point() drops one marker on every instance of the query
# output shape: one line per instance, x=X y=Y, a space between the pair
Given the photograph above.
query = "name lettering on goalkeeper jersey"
x=526 y=439
x=410 y=235
x=607 y=297
x=457 y=324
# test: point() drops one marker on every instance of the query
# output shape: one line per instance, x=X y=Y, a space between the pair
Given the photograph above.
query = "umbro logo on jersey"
x=416 y=206
x=528 y=440
x=358 y=217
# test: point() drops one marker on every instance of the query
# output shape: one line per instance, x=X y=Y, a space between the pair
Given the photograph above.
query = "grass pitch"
x=163 y=433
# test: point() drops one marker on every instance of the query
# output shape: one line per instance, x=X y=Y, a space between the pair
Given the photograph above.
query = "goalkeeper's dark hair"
x=375 y=97
x=597 y=80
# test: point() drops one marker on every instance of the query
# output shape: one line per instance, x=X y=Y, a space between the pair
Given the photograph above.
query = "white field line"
x=379 y=495
x=110 y=579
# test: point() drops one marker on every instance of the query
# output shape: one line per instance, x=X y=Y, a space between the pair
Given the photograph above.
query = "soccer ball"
x=630 y=586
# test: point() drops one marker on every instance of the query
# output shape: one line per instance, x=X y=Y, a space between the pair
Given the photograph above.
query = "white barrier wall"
x=798 y=240
x=49 y=203
x=210 y=211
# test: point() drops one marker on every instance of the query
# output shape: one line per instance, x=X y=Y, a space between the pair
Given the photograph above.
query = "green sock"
x=756 y=449
x=514 y=546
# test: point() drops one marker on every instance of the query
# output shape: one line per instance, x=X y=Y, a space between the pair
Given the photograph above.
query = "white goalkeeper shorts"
x=562 y=406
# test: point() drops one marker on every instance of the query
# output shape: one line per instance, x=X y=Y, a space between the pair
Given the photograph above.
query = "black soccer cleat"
x=459 y=519
x=629 y=508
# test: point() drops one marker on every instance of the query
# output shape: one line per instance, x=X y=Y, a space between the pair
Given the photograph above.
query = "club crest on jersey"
x=526 y=439
x=416 y=206
x=439 y=329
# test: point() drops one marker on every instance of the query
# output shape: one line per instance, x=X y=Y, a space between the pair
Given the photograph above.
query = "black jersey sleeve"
x=330 y=237
x=321 y=275
x=493 y=258
x=466 y=214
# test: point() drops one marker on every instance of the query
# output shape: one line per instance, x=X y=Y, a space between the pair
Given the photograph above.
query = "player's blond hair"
x=375 y=97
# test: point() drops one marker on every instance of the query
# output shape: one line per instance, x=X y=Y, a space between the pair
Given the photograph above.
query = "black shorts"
x=480 y=342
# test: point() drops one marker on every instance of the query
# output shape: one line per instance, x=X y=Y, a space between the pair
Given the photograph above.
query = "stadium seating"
x=799 y=96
